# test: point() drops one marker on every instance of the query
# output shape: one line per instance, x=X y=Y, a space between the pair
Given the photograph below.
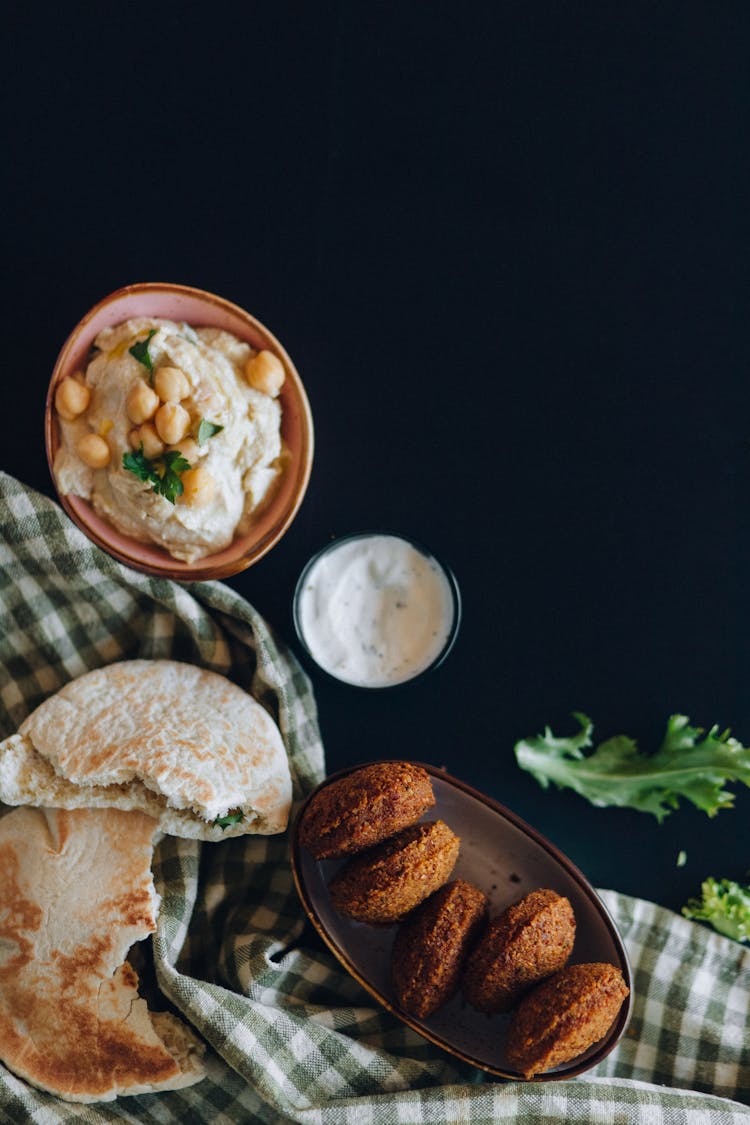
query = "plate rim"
x=618 y=1028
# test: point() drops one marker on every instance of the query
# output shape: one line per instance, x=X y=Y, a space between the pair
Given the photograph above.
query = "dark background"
x=506 y=246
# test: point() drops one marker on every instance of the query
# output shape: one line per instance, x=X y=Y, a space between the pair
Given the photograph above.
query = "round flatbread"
x=76 y=892
x=181 y=743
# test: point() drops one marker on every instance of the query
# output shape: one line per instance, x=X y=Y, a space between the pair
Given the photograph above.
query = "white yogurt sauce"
x=374 y=611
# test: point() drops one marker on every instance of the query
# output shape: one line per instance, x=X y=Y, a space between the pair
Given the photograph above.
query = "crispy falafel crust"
x=529 y=941
x=564 y=1016
x=364 y=808
x=430 y=946
x=384 y=883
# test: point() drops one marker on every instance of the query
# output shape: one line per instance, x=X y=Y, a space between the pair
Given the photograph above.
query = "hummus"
x=231 y=451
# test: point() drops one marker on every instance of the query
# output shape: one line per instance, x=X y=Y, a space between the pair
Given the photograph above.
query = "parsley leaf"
x=163 y=472
x=207 y=430
x=139 y=464
x=725 y=905
x=140 y=352
x=689 y=764
x=170 y=486
x=228 y=820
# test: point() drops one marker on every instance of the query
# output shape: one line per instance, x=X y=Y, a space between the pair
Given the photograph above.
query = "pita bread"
x=178 y=742
x=75 y=892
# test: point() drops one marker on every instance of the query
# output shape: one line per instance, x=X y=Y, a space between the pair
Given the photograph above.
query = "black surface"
x=507 y=247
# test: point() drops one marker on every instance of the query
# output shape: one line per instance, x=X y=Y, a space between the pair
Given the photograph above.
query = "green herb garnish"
x=689 y=764
x=163 y=472
x=170 y=485
x=207 y=430
x=140 y=352
x=725 y=905
x=228 y=820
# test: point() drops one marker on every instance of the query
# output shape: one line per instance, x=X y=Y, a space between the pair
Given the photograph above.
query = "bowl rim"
x=77 y=508
x=427 y=552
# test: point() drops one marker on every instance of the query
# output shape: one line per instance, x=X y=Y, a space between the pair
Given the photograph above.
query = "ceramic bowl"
x=335 y=605
x=507 y=859
x=200 y=309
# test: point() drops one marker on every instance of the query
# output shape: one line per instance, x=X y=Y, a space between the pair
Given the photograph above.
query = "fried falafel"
x=365 y=807
x=529 y=941
x=430 y=946
x=564 y=1016
x=384 y=883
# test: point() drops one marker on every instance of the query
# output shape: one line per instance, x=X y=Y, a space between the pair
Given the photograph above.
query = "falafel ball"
x=529 y=941
x=430 y=946
x=364 y=808
x=384 y=883
x=564 y=1016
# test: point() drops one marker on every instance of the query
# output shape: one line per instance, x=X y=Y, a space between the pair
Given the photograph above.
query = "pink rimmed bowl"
x=199 y=309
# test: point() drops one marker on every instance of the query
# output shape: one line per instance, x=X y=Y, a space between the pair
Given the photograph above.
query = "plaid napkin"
x=291 y=1036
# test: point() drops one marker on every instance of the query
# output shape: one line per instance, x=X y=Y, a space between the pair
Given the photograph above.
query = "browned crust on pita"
x=75 y=892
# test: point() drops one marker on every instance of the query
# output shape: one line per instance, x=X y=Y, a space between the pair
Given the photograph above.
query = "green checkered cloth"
x=291 y=1036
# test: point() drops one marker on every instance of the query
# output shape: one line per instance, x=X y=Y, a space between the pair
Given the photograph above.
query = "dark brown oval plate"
x=507 y=858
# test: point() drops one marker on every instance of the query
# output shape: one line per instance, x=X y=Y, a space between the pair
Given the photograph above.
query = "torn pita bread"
x=76 y=892
x=178 y=742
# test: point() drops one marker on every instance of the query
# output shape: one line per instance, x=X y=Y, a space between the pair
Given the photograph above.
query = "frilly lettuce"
x=725 y=905
x=689 y=764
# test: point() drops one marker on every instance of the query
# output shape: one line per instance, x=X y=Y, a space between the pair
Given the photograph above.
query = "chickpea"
x=71 y=398
x=265 y=372
x=171 y=384
x=145 y=435
x=141 y=403
x=199 y=487
x=93 y=451
x=172 y=422
x=188 y=448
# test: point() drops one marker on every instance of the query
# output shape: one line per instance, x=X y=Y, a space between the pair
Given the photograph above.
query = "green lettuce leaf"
x=689 y=764
x=725 y=905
